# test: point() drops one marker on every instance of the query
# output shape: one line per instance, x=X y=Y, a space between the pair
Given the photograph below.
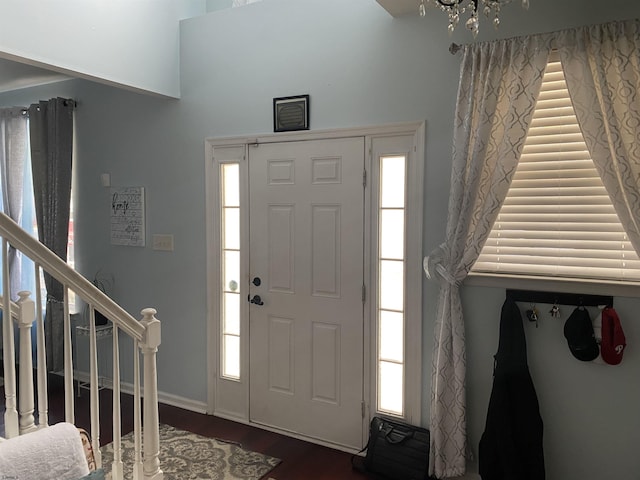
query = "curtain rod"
x=66 y=102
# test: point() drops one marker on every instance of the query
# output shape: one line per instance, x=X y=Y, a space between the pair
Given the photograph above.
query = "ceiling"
x=15 y=75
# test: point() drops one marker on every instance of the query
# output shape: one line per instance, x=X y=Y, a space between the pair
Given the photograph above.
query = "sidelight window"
x=391 y=285
x=396 y=272
x=230 y=255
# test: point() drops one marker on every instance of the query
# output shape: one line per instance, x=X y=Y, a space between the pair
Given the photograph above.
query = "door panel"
x=306 y=245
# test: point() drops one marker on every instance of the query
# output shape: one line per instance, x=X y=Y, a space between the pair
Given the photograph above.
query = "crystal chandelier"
x=455 y=8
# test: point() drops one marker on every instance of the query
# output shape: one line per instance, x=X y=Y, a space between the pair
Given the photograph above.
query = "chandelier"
x=456 y=8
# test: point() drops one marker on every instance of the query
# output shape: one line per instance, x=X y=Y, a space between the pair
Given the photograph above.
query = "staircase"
x=19 y=414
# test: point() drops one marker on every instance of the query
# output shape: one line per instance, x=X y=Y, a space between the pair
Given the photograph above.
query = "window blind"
x=557 y=220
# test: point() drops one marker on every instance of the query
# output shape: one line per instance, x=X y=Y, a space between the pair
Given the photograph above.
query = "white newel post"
x=11 y=428
x=26 y=401
x=151 y=433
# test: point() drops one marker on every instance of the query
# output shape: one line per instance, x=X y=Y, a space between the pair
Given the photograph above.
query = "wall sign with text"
x=127 y=216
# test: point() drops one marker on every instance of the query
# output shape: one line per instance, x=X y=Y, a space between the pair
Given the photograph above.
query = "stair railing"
x=19 y=415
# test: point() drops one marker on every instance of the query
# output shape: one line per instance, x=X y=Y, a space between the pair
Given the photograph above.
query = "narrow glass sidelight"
x=230 y=255
x=391 y=285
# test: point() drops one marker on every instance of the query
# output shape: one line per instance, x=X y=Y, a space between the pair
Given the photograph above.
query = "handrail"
x=59 y=270
x=15 y=308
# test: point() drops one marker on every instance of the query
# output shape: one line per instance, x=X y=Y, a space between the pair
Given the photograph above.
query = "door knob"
x=256 y=300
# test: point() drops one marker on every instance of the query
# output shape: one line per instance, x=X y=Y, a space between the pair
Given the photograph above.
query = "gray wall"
x=361 y=67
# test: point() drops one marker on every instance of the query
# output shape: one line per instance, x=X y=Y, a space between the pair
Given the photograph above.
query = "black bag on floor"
x=396 y=451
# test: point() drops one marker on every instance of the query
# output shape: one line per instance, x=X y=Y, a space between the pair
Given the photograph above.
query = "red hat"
x=613 y=340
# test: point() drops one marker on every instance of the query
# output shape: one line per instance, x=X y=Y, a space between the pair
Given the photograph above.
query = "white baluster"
x=116 y=466
x=69 y=399
x=94 y=386
x=11 y=427
x=151 y=420
x=41 y=357
x=26 y=316
x=137 y=421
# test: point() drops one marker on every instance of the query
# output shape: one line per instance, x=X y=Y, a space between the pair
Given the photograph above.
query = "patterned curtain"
x=13 y=149
x=499 y=85
x=602 y=67
x=51 y=129
x=13 y=152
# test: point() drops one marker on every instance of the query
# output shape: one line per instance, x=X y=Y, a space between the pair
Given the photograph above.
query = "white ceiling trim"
x=399 y=7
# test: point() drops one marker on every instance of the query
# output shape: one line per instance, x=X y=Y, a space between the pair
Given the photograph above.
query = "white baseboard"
x=163 y=397
x=181 y=402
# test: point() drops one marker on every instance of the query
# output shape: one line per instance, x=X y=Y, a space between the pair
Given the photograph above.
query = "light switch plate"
x=163 y=242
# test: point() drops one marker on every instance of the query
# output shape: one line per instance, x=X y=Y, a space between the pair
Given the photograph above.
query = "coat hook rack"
x=575 y=299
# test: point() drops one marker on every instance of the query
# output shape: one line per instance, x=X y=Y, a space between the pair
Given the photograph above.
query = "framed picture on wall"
x=291 y=113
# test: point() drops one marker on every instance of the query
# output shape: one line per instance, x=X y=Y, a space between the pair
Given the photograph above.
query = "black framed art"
x=291 y=113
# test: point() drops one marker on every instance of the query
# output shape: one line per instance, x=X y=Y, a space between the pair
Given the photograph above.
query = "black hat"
x=578 y=331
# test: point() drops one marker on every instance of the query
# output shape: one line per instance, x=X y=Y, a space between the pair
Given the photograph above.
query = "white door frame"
x=233 y=403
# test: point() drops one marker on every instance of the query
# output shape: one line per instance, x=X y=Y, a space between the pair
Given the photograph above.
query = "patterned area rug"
x=185 y=455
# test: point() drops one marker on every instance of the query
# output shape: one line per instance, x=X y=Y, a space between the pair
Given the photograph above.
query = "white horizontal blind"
x=557 y=220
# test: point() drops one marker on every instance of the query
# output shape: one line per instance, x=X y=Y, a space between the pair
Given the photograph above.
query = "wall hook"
x=532 y=314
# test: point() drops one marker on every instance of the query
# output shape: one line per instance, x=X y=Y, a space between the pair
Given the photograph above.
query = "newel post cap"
x=27 y=309
x=153 y=328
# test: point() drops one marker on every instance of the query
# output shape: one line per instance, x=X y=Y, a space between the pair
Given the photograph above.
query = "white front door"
x=306 y=274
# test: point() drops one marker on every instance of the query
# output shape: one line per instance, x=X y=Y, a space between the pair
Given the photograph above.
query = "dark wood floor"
x=300 y=460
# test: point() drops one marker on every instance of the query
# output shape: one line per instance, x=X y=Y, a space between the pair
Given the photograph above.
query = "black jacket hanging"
x=511 y=445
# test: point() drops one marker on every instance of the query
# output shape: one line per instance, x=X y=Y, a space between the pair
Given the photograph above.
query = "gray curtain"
x=499 y=85
x=13 y=151
x=51 y=130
